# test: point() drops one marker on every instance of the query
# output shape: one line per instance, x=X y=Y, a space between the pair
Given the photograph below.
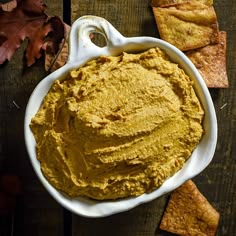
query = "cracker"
x=189 y=213
x=167 y=3
x=211 y=63
x=188 y=25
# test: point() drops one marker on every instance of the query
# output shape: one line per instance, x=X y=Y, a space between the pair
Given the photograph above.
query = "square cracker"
x=211 y=63
x=188 y=25
x=189 y=213
x=167 y=3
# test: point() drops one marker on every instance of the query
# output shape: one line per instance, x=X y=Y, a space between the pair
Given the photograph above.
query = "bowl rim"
x=81 y=50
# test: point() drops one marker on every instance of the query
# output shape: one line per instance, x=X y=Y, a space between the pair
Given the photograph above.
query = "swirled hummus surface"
x=118 y=126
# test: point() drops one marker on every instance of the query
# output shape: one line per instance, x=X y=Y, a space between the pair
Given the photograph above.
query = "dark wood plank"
x=218 y=181
x=140 y=221
x=131 y=18
x=36 y=213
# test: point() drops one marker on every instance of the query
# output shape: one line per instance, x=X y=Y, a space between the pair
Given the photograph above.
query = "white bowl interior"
x=82 y=50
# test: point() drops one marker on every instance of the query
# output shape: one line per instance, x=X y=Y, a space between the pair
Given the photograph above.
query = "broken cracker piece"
x=167 y=3
x=188 y=25
x=211 y=63
x=189 y=213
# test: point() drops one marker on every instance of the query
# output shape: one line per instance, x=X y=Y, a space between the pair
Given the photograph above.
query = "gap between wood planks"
x=67 y=215
x=67 y=11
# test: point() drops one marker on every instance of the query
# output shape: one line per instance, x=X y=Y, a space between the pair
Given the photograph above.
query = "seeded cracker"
x=189 y=213
x=211 y=63
x=167 y=3
x=188 y=25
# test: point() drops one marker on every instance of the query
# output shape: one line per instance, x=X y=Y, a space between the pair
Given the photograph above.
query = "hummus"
x=118 y=126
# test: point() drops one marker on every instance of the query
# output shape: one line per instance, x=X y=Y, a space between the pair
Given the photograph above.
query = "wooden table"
x=36 y=213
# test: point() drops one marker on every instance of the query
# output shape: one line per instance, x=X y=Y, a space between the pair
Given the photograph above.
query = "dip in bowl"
x=133 y=123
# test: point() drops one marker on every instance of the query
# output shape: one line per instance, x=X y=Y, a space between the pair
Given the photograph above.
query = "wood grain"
x=131 y=18
x=36 y=213
x=140 y=221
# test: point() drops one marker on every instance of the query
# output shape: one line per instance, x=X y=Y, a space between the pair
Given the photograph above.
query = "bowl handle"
x=81 y=48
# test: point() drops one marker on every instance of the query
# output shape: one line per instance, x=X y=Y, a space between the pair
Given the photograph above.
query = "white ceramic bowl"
x=82 y=50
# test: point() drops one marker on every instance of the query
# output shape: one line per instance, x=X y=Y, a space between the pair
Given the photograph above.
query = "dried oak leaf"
x=54 y=59
x=9 y=6
x=52 y=32
x=28 y=20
